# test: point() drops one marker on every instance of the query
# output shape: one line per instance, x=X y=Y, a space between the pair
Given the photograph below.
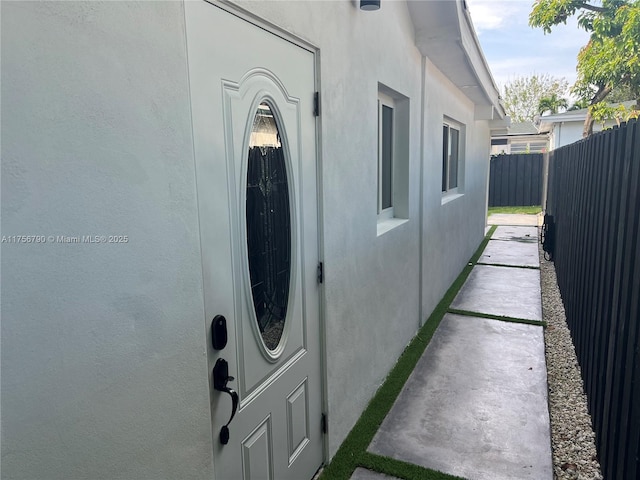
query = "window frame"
x=385 y=100
x=446 y=184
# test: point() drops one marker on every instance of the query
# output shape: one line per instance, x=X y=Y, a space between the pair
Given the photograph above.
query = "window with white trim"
x=392 y=159
x=452 y=155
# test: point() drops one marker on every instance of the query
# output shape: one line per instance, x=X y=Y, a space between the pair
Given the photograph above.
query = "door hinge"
x=316 y=104
x=324 y=423
x=320 y=272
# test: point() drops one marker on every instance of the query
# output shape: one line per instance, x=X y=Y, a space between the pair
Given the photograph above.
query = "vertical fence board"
x=630 y=327
x=605 y=294
x=494 y=194
x=492 y=185
x=504 y=186
x=526 y=187
x=584 y=233
x=610 y=427
x=535 y=188
x=512 y=179
x=632 y=466
x=599 y=189
x=593 y=192
x=519 y=185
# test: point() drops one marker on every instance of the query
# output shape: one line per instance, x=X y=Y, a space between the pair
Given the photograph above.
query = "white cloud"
x=513 y=48
x=495 y=14
x=484 y=18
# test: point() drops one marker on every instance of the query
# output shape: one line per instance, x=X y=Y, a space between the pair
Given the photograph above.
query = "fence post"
x=545 y=180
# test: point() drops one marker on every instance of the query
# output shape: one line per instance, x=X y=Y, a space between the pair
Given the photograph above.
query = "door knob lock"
x=220 y=379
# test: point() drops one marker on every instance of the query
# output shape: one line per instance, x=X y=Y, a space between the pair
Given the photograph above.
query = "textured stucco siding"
x=103 y=367
x=453 y=229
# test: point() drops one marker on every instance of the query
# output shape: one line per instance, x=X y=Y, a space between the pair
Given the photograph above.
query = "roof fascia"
x=445 y=34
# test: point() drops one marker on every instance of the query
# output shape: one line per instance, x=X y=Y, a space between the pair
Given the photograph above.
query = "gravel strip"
x=572 y=437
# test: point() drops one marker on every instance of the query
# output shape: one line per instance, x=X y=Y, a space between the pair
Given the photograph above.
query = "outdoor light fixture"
x=369 y=4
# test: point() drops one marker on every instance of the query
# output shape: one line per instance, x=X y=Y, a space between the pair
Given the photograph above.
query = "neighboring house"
x=172 y=165
x=521 y=137
x=565 y=128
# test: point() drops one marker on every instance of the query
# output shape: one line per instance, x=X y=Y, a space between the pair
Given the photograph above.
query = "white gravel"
x=572 y=437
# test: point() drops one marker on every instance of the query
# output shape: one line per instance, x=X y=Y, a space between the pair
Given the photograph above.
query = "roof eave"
x=456 y=52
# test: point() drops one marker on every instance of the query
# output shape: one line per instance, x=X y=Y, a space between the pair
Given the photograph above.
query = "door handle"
x=220 y=379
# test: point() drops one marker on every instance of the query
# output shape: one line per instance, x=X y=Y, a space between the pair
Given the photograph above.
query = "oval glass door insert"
x=268 y=227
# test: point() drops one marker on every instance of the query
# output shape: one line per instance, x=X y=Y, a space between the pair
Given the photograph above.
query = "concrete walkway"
x=515 y=219
x=475 y=406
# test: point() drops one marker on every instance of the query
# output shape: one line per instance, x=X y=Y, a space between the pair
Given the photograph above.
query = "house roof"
x=547 y=121
x=568 y=116
x=444 y=33
x=522 y=128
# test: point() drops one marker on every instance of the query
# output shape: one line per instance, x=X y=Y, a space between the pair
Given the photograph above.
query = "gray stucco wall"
x=103 y=346
x=452 y=229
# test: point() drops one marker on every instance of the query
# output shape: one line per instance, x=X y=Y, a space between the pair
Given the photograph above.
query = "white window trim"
x=450 y=196
x=386 y=100
x=399 y=178
x=455 y=192
x=388 y=224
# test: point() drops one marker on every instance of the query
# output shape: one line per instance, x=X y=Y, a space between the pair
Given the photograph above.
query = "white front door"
x=254 y=136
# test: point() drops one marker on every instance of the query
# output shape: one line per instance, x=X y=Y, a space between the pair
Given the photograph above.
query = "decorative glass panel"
x=268 y=226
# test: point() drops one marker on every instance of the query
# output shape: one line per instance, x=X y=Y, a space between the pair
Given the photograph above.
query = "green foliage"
x=552 y=104
x=612 y=56
x=611 y=59
x=522 y=95
x=601 y=112
x=532 y=210
x=549 y=13
x=619 y=94
x=579 y=104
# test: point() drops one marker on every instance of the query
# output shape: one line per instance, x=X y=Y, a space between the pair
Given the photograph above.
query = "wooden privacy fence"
x=516 y=180
x=594 y=197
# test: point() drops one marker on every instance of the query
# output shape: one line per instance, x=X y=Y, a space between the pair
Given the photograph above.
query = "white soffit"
x=445 y=34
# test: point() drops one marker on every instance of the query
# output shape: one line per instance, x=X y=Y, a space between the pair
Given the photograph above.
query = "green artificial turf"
x=502 y=318
x=509 y=266
x=532 y=210
x=353 y=451
x=399 y=469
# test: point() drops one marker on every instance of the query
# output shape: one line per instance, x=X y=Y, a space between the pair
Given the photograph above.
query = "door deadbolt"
x=219 y=332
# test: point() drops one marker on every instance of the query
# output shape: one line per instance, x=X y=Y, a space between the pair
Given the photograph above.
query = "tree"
x=602 y=112
x=552 y=104
x=579 y=104
x=619 y=94
x=611 y=59
x=521 y=96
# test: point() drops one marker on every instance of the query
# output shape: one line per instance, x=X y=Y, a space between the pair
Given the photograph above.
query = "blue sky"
x=512 y=48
